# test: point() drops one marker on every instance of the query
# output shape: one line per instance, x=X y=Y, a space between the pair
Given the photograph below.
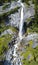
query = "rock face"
x=11 y=6
x=15 y=18
x=28 y=47
x=33 y=37
x=8 y=31
x=19 y=47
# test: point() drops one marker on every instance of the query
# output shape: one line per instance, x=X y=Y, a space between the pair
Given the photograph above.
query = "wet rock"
x=24 y=28
x=15 y=18
x=7 y=62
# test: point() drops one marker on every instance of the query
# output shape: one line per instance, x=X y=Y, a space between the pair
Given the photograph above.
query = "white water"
x=16 y=59
x=18 y=62
x=20 y=36
x=21 y=24
x=21 y=21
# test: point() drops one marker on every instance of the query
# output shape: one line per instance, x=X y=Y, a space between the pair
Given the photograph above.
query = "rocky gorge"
x=18 y=42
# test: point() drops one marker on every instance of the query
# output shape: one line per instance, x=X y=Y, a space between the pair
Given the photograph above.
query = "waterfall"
x=12 y=56
x=21 y=22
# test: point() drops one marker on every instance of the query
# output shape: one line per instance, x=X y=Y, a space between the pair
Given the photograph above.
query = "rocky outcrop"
x=14 y=11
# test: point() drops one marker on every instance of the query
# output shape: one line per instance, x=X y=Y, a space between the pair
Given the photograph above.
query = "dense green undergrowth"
x=6 y=1
x=4 y=40
x=30 y=56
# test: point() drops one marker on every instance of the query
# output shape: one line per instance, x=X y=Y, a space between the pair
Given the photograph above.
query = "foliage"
x=12 y=11
x=4 y=40
x=6 y=6
x=3 y=27
x=35 y=25
x=34 y=22
x=30 y=55
x=6 y=1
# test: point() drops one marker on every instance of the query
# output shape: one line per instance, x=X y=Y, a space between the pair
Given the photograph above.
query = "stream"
x=13 y=56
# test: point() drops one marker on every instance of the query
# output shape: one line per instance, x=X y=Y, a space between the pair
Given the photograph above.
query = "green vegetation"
x=9 y=12
x=3 y=26
x=5 y=6
x=34 y=26
x=4 y=40
x=30 y=55
x=29 y=51
x=6 y=1
x=34 y=22
x=14 y=29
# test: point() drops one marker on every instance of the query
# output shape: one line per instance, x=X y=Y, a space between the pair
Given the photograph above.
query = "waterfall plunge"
x=21 y=22
x=16 y=60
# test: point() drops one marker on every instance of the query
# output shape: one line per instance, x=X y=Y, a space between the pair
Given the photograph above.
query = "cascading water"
x=16 y=60
x=21 y=21
x=21 y=24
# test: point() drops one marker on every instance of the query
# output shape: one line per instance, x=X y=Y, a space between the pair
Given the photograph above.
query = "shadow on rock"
x=7 y=62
